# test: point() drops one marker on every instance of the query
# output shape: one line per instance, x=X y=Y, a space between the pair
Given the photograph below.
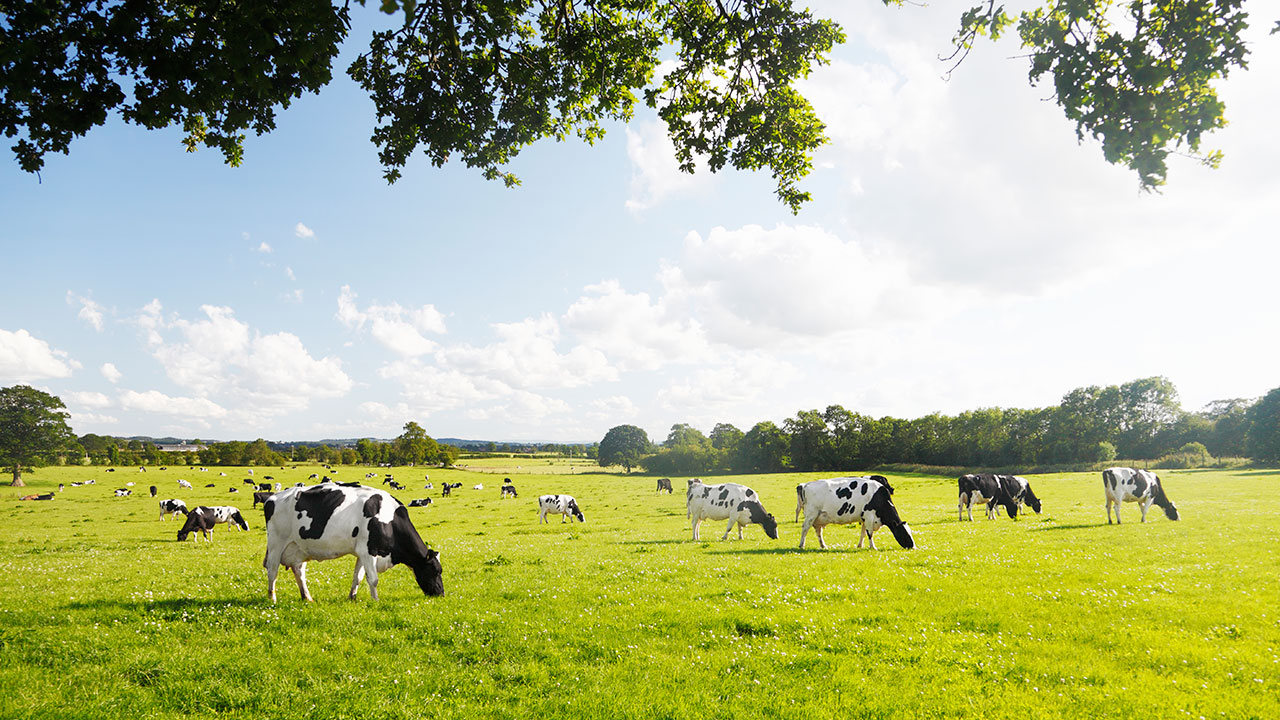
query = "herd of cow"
x=332 y=519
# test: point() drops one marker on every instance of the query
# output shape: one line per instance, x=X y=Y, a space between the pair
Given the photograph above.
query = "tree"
x=764 y=448
x=414 y=446
x=1262 y=441
x=478 y=82
x=33 y=427
x=624 y=445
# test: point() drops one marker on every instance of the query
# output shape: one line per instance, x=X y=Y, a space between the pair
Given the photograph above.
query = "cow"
x=276 y=487
x=845 y=500
x=448 y=488
x=172 y=507
x=261 y=497
x=395 y=485
x=736 y=503
x=202 y=519
x=478 y=486
x=508 y=490
x=664 y=484
x=62 y=487
x=421 y=502
x=428 y=486
x=264 y=487
x=1020 y=491
x=122 y=492
x=800 y=499
x=153 y=490
x=46 y=496
x=211 y=485
x=248 y=481
x=1133 y=485
x=563 y=505
x=328 y=521
x=986 y=488
x=184 y=484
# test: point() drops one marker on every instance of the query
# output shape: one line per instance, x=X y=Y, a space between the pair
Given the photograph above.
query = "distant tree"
x=1230 y=420
x=1262 y=441
x=764 y=448
x=414 y=446
x=724 y=436
x=808 y=440
x=33 y=428
x=683 y=435
x=624 y=445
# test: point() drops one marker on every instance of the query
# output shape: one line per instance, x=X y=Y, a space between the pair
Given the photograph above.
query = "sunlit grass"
x=1058 y=615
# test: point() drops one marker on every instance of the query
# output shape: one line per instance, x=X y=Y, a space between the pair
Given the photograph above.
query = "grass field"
x=105 y=615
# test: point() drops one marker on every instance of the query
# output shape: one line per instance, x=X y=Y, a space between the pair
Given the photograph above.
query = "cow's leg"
x=1117 y=503
x=822 y=543
x=542 y=516
x=695 y=524
x=871 y=541
x=804 y=529
x=273 y=569
x=1145 y=504
x=960 y=508
x=356 y=577
x=727 y=528
x=300 y=574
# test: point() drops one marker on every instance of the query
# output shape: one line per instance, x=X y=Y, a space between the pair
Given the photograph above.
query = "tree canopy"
x=624 y=445
x=33 y=426
x=478 y=82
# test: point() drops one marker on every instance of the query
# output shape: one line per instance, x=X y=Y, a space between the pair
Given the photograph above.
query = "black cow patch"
x=724 y=493
x=750 y=492
x=319 y=503
x=864 y=488
x=355 y=531
x=844 y=493
x=1139 y=485
x=372 y=505
x=268 y=509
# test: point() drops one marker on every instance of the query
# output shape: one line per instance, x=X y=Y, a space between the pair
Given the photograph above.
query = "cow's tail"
x=1162 y=501
x=799 y=501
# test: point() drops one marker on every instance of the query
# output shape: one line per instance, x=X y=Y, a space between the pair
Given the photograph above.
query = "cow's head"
x=1033 y=502
x=1171 y=512
x=573 y=508
x=429 y=573
x=760 y=517
x=195 y=523
x=902 y=533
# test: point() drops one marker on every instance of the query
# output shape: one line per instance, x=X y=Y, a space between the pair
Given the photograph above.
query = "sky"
x=963 y=250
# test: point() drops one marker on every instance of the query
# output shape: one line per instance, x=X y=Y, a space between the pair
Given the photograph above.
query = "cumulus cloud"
x=656 y=174
x=711 y=392
x=90 y=311
x=263 y=247
x=303 y=231
x=153 y=401
x=24 y=358
x=399 y=329
x=89 y=399
x=634 y=331
x=612 y=408
x=526 y=356
x=81 y=419
x=110 y=372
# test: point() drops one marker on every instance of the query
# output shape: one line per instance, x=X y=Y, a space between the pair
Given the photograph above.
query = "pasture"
x=106 y=615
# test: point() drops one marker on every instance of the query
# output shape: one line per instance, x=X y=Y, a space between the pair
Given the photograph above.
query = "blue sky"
x=963 y=251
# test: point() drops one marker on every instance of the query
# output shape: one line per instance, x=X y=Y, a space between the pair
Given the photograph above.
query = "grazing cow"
x=738 y=504
x=989 y=489
x=233 y=489
x=222 y=474
x=184 y=484
x=111 y=469
x=153 y=490
x=395 y=485
x=202 y=519
x=123 y=492
x=264 y=487
x=508 y=490
x=61 y=487
x=172 y=507
x=845 y=500
x=130 y=483
x=478 y=486
x=299 y=484
x=276 y=487
x=1020 y=491
x=326 y=522
x=563 y=505
x=313 y=476
x=268 y=477
x=1134 y=485
x=248 y=481
x=428 y=486
x=261 y=497
x=448 y=488
x=212 y=485
x=664 y=484
x=421 y=502
x=800 y=499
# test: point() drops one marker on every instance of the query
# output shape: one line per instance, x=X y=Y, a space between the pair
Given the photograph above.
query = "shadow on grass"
x=1077 y=526
x=791 y=549
x=168 y=605
x=653 y=542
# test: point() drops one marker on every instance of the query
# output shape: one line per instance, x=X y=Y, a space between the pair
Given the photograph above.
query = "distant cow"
x=478 y=486
x=46 y=496
x=448 y=488
x=184 y=484
x=329 y=521
x=428 y=486
x=988 y=489
x=664 y=484
x=264 y=487
x=562 y=505
x=153 y=491
x=122 y=492
x=1134 y=485
x=395 y=485
x=172 y=507
x=248 y=481
x=261 y=497
x=202 y=519
x=508 y=490
x=421 y=502
x=846 y=500
x=736 y=503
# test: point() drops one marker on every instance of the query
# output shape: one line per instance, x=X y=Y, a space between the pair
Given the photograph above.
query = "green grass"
x=105 y=615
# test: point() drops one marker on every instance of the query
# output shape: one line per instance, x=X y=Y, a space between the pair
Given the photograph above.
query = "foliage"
x=624 y=445
x=1263 y=437
x=1142 y=86
x=478 y=82
x=33 y=427
x=1190 y=455
x=103 y=609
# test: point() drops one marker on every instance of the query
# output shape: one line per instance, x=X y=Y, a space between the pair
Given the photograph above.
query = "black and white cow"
x=202 y=519
x=184 y=484
x=985 y=488
x=328 y=521
x=736 y=503
x=421 y=502
x=562 y=505
x=508 y=491
x=844 y=500
x=123 y=492
x=1019 y=491
x=448 y=488
x=264 y=487
x=800 y=498
x=1133 y=485
x=664 y=484
x=172 y=507
x=261 y=497
x=153 y=491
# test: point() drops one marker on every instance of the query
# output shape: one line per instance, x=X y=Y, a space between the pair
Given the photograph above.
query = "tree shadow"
x=167 y=605
x=1078 y=526
x=655 y=542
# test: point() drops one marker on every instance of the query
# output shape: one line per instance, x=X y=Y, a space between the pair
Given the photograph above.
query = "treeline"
x=1139 y=420
x=413 y=446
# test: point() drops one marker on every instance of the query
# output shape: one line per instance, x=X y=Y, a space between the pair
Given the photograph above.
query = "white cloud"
x=526 y=357
x=153 y=401
x=263 y=247
x=288 y=271
x=656 y=174
x=79 y=420
x=110 y=372
x=90 y=311
x=303 y=231
x=24 y=358
x=397 y=328
x=89 y=399
x=611 y=408
x=633 y=331
x=711 y=392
